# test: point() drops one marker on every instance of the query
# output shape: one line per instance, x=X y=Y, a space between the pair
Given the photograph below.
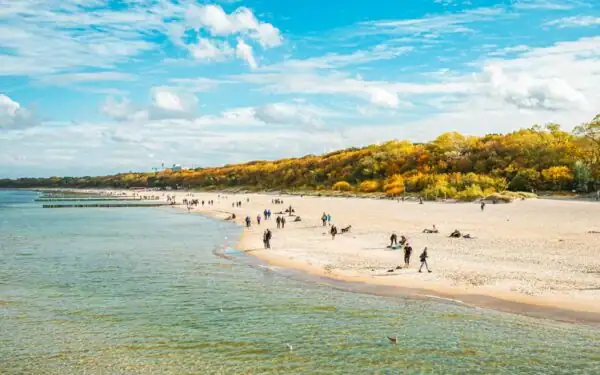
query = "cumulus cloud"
x=13 y=115
x=219 y=25
x=242 y=21
x=527 y=92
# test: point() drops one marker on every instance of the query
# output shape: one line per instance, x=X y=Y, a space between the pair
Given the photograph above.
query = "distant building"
x=176 y=168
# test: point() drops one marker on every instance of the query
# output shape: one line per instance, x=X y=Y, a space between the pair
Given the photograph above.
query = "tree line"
x=453 y=166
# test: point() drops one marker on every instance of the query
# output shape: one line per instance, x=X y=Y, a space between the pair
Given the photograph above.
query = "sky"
x=93 y=87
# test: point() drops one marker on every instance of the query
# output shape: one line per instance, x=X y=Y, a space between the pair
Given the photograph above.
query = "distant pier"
x=101 y=199
x=104 y=205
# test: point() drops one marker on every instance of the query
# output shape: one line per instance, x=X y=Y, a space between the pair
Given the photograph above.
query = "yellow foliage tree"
x=369 y=186
x=394 y=185
x=342 y=186
x=559 y=177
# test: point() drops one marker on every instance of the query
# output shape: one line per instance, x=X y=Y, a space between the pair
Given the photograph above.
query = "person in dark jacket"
x=393 y=239
x=267 y=238
x=423 y=257
x=407 y=253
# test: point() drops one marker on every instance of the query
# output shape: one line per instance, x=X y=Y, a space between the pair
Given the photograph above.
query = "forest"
x=540 y=158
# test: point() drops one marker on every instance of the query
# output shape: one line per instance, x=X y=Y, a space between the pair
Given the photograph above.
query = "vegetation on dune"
x=452 y=166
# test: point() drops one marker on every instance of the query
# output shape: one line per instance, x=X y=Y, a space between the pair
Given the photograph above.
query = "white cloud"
x=241 y=21
x=547 y=4
x=576 y=21
x=383 y=98
x=197 y=84
x=166 y=103
x=432 y=25
x=104 y=76
x=336 y=60
x=13 y=115
x=53 y=37
x=209 y=50
x=289 y=114
x=244 y=52
x=380 y=93
x=526 y=91
x=165 y=99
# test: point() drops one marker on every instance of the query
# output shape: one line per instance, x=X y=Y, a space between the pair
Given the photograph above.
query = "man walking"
x=407 y=253
x=424 y=257
x=267 y=239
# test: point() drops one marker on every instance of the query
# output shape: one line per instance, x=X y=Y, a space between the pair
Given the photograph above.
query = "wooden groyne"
x=104 y=205
x=101 y=199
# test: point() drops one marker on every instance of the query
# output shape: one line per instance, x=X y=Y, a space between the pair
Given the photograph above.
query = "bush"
x=342 y=186
x=471 y=193
x=439 y=191
x=369 y=186
x=394 y=186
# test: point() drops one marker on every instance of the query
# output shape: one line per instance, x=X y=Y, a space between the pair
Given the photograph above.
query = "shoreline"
x=294 y=252
x=543 y=308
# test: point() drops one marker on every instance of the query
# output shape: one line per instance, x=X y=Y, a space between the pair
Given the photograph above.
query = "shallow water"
x=140 y=291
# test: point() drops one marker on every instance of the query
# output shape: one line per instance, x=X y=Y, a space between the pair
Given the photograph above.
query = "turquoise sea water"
x=141 y=291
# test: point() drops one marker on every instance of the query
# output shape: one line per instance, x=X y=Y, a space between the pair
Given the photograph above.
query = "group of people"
x=277 y=201
x=326 y=219
x=408 y=251
x=237 y=204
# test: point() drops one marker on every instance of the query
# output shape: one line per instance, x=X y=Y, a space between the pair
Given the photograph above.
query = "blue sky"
x=101 y=86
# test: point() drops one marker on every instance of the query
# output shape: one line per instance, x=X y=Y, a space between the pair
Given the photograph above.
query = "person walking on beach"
x=407 y=253
x=258 y=217
x=267 y=239
x=329 y=219
x=393 y=240
x=282 y=222
x=278 y=221
x=248 y=221
x=333 y=232
x=423 y=258
x=266 y=213
x=269 y=214
x=324 y=219
x=482 y=205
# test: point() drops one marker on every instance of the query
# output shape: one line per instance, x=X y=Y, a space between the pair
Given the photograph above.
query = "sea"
x=163 y=291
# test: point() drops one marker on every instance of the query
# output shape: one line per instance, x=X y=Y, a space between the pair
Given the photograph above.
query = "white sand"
x=537 y=252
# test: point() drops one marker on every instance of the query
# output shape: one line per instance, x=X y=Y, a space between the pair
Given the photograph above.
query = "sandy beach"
x=535 y=257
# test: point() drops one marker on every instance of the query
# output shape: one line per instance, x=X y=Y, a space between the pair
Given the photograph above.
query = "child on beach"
x=258 y=219
x=424 y=257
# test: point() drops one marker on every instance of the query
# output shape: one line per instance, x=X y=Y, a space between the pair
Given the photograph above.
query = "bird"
x=290 y=347
x=393 y=340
